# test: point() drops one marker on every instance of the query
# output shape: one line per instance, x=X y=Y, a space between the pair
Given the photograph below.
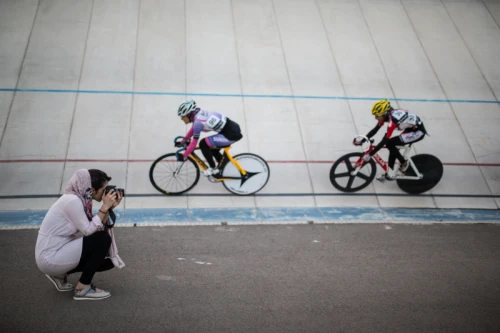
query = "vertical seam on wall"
x=77 y=94
x=439 y=82
x=484 y=78
x=14 y=95
x=336 y=65
x=185 y=51
x=378 y=52
x=468 y=49
x=437 y=79
x=340 y=75
x=492 y=17
x=241 y=82
x=297 y=118
x=381 y=64
x=186 y=80
x=133 y=95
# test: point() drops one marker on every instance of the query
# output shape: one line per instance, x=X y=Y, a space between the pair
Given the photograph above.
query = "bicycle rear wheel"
x=257 y=176
x=430 y=167
x=340 y=173
x=162 y=174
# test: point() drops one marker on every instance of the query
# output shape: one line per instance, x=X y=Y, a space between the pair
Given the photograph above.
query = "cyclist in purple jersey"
x=228 y=132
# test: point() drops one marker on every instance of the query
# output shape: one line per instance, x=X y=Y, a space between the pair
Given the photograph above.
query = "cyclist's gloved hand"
x=181 y=158
x=367 y=157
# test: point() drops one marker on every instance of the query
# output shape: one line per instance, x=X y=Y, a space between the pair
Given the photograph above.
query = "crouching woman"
x=60 y=249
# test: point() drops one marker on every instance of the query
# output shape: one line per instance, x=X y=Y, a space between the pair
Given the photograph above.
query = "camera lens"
x=113 y=187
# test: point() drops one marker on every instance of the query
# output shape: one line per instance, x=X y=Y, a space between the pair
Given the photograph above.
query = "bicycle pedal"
x=212 y=179
x=216 y=176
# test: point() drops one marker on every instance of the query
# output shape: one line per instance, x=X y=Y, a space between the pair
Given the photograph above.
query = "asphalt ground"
x=270 y=278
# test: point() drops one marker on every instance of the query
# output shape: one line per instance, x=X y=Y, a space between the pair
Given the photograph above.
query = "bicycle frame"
x=380 y=161
x=204 y=166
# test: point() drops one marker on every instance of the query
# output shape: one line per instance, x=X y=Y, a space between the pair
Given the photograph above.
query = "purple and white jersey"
x=203 y=121
x=206 y=121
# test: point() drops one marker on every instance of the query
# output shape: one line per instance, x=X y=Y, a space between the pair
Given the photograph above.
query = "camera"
x=113 y=187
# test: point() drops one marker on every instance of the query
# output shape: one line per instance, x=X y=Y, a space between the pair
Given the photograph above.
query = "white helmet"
x=186 y=108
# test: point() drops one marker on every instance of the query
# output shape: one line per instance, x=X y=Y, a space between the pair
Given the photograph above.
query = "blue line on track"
x=167 y=93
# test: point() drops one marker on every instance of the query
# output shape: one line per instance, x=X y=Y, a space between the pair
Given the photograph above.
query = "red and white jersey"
x=402 y=120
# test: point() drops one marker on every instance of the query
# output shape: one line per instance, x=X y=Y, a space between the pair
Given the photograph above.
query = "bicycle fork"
x=359 y=164
x=179 y=167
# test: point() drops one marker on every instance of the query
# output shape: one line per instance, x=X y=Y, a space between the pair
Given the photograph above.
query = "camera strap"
x=111 y=219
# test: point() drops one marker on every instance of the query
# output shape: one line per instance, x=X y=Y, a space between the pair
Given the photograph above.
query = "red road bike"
x=350 y=173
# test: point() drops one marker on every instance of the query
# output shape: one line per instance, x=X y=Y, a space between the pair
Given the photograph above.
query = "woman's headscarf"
x=81 y=186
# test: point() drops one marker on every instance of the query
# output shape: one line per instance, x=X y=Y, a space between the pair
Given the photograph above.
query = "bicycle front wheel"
x=257 y=176
x=162 y=174
x=342 y=179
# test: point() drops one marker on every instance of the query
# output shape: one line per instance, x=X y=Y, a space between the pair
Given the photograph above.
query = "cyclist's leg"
x=207 y=153
x=212 y=143
x=407 y=138
x=393 y=154
x=217 y=155
x=394 y=151
x=411 y=137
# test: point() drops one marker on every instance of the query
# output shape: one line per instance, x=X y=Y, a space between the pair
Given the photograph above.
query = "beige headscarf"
x=81 y=186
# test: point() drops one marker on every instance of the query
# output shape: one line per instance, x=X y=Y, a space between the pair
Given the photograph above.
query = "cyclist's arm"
x=390 y=129
x=379 y=146
x=374 y=130
x=189 y=133
x=195 y=130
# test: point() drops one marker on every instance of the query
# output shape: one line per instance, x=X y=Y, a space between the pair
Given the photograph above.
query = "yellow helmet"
x=381 y=107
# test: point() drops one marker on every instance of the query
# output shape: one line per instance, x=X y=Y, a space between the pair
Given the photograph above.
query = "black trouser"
x=209 y=153
x=229 y=134
x=95 y=248
x=394 y=151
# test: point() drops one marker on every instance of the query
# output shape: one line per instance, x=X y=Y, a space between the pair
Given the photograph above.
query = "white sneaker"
x=60 y=282
x=211 y=172
x=90 y=294
x=385 y=176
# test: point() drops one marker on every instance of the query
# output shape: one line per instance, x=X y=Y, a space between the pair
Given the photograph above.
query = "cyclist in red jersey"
x=412 y=128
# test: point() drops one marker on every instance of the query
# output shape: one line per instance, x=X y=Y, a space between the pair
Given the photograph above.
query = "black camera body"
x=113 y=187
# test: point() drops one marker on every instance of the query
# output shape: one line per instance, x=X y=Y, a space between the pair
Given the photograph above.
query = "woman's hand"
x=118 y=199
x=109 y=200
